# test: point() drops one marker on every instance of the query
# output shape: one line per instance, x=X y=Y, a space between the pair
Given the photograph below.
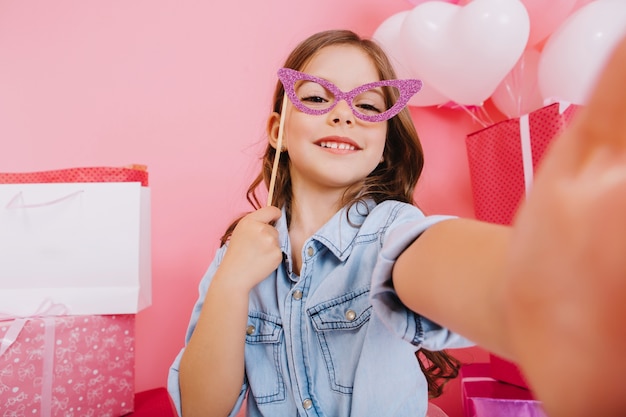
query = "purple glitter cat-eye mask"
x=321 y=105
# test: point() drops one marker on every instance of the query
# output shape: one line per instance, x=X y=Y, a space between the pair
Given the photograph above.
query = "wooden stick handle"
x=279 y=145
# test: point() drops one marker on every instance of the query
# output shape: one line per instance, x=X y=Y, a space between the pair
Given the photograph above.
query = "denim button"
x=350 y=315
x=307 y=404
x=297 y=295
x=310 y=251
x=250 y=329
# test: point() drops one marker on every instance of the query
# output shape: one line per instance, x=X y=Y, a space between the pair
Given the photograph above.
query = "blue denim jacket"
x=336 y=340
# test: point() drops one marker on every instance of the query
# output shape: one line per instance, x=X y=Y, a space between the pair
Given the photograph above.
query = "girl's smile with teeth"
x=337 y=145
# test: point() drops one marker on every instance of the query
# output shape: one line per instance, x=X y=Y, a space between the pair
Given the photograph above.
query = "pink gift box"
x=67 y=366
x=503 y=158
x=484 y=396
x=505 y=371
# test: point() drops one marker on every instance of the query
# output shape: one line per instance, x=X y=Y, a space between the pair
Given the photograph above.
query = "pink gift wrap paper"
x=483 y=396
x=68 y=366
x=492 y=407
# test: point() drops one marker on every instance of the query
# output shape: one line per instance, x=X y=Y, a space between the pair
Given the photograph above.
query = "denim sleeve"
x=402 y=321
x=173 y=386
x=172 y=383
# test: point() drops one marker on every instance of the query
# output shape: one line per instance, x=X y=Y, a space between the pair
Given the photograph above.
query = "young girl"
x=316 y=306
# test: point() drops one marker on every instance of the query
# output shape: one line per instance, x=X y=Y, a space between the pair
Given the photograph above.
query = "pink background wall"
x=184 y=88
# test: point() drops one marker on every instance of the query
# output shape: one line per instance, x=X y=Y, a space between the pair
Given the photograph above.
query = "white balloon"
x=387 y=35
x=576 y=52
x=518 y=93
x=465 y=51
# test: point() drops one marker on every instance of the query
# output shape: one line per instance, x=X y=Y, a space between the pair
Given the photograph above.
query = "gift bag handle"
x=17 y=202
x=527 y=153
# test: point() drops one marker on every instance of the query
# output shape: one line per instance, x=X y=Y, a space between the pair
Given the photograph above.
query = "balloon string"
x=485 y=114
x=279 y=145
x=478 y=120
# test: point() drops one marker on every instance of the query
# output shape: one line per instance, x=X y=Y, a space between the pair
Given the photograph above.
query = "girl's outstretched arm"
x=453 y=275
x=211 y=371
x=550 y=293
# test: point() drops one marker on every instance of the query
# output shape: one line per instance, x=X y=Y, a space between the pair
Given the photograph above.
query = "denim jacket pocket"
x=341 y=325
x=264 y=338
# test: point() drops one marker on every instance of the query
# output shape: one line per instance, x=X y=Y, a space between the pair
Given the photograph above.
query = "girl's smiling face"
x=336 y=150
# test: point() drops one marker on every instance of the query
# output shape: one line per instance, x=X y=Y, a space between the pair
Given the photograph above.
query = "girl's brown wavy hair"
x=393 y=179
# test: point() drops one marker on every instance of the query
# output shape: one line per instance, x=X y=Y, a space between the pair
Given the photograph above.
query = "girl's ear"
x=273 y=124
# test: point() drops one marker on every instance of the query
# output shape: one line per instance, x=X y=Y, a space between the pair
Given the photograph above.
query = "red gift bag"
x=503 y=157
x=483 y=396
x=505 y=371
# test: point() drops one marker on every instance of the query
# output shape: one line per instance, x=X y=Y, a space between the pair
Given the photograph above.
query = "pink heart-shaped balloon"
x=464 y=52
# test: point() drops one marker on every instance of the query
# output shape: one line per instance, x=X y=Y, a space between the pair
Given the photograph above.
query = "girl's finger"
x=266 y=214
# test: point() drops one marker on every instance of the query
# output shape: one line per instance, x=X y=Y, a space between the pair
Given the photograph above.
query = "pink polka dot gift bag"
x=503 y=157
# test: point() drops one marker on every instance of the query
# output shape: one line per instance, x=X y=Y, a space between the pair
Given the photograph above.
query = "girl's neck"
x=309 y=212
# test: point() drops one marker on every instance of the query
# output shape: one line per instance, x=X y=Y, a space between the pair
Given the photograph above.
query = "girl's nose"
x=337 y=120
x=342 y=113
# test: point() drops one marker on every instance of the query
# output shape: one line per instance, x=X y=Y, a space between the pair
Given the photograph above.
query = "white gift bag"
x=85 y=246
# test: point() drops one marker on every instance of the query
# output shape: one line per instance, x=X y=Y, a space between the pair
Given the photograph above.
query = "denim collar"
x=337 y=234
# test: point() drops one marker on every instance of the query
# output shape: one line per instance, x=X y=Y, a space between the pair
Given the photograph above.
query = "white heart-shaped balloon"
x=464 y=52
x=388 y=37
x=576 y=52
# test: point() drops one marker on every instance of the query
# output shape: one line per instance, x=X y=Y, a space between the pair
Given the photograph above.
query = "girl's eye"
x=313 y=95
x=370 y=102
x=369 y=108
x=313 y=99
